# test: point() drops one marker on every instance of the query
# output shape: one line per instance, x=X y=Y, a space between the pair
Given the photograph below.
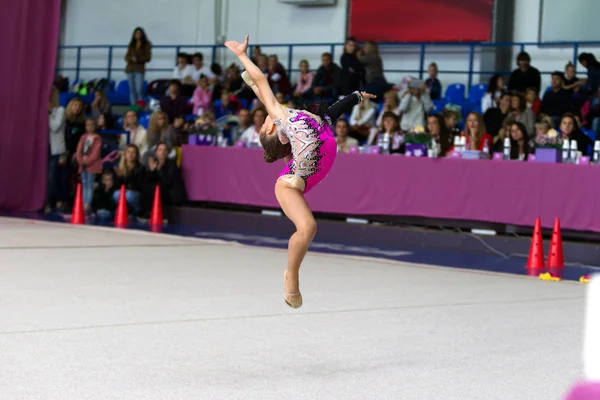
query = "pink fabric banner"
x=509 y=192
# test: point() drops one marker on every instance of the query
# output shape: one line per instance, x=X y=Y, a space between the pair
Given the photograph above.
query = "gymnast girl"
x=304 y=140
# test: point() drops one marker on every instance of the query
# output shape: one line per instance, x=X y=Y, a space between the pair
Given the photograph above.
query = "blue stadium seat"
x=476 y=93
x=455 y=93
x=590 y=132
x=438 y=105
x=144 y=120
x=121 y=94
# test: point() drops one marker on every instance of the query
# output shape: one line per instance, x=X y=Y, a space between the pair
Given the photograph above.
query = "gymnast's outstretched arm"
x=265 y=94
x=346 y=104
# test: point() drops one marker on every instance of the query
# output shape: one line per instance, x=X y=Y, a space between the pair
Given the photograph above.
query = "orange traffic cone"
x=156 y=217
x=535 y=263
x=556 y=262
x=78 y=216
x=121 y=218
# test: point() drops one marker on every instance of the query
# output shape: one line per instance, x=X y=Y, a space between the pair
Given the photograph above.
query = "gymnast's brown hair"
x=274 y=149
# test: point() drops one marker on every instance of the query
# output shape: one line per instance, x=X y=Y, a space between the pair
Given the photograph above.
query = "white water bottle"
x=457 y=144
x=463 y=144
x=565 y=151
x=596 y=157
x=506 y=149
x=486 y=147
x=573 y=154
x=385 y=144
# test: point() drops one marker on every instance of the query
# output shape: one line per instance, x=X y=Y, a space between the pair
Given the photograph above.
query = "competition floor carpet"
x=100 y=313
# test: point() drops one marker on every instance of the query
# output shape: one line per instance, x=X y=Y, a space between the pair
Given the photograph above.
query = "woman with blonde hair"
x=477 y=137
x=130 y=173
x=157 y=129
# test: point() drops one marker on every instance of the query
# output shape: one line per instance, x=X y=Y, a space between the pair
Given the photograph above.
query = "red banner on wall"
x=421 y=20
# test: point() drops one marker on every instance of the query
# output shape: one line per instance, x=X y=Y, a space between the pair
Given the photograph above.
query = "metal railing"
x=471 y=48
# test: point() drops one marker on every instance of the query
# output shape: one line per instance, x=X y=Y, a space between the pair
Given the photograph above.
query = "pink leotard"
x=313 y=146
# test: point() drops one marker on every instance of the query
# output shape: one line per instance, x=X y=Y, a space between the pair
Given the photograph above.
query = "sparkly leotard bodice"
x=313 y=145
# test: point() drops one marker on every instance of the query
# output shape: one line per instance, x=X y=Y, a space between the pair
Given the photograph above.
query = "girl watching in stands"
x=89 y=161
x=475 y=133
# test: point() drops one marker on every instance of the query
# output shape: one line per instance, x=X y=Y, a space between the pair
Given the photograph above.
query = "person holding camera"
x=414 y=105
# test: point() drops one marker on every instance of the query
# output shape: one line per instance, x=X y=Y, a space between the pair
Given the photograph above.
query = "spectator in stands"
x=414 y=105
x=390 y=133
x=369 y=57
x=494 y=117
x=305 y=81
x=200 y=69
x=245 y=122
x=103 y=203
x=503 y=133
x=183 y=71
x=100 y=105
x=436 y=127
x=233 y=80
x=390 y=103
x=557 y=101
x=106 y=121
x=75 y=124
x=230 y=105
x=353 y=72
x=130 y=173
x=433 y=84
x=543 y=127
x=592 y=65
x=491 y=98
x=89 y=161
x=139 y=52
x=217 y=82
x=202 y=99
x=525 y=76
x=278 y=77
x=477 y=137
x=58 y=175
x=163 y=172
x=522 y=113
x=137 y=133
x=157 y=129
x=362 y=119
x=173 y=137
x=251 y=136
x=262 y=62
x=533 y=100
x=344 y=142
x=256 y=52
x=451 y=120
x=519 y=142
x=328 y=79
x=571 y=83
x=569 y=129
x=174 y=104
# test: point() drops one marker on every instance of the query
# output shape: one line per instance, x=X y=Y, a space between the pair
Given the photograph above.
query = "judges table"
x=508 y=192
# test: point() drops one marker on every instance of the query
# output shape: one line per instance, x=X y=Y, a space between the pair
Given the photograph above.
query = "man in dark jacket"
x=525 y=76
x=328 y=79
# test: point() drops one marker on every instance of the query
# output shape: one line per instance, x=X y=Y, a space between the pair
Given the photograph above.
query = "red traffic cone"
x=535 y=262
x=556 y=262
x=156 y=217
x=78 y=216
x=121 y=218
